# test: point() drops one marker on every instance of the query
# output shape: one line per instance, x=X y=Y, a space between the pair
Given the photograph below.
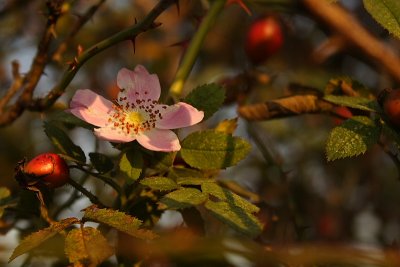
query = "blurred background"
x=304 y=199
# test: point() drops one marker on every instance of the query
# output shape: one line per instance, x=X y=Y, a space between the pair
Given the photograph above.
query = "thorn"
x=80 y=50
x=155 y=25
x=135 y=20
x=241 y=4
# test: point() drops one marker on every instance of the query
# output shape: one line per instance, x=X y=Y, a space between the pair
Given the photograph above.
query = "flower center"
x=133 y=118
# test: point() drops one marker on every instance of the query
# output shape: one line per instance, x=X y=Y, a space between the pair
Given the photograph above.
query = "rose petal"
x=112 y=135
x=138 y=84
x=90 y=107
x=159 y=140
x=178 y=116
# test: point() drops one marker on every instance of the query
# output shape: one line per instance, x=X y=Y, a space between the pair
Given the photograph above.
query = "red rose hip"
x=264 y=38
x=391 y=106
x=48 y=168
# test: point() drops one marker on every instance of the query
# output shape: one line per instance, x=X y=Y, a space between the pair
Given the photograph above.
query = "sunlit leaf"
x=159 y=183
x=101 y=162
x=208 y=98
x=162 y=161
x=118 y=220
x=34 y=240
x=353 y=137
x=87 y=246
x=213 y=150
x=193 y=181
x=228 y=196
x=63 y=143
x=227 y=126
x=183 y=198
x=235 y=217
x=132 y=164
x=360 y=103
x=177 y=172
x=386 y=13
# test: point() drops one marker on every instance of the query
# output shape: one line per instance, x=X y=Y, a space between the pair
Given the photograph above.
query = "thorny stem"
x=84 y=191
x=194 y=47
x=26 y=102
x=105 y=179
x=127 y=34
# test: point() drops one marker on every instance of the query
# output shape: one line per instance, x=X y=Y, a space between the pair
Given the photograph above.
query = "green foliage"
x=207 y=97
x=162 y=161
x=386 y=12
x=71 y=120
x=353 y=137
x=227 y=126
x=160 y=183
x=235 y=216
x=87 y=246
x=213 y=150
x=34 y=240
x=4 y=195
x=132 y=164
x=183 y=198
x=63 y=143
x=228 y=196
x=177 y=172
x=101 y=162
x=193 y=181
x=345 y=85
x=360 y=103
x=118 y=220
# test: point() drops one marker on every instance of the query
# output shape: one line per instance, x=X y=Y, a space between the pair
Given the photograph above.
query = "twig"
x=84 y=191
x=15 y=86
x=345 y=24
x=32 y=78
x=106 y=180
x=41 y=104
x=194 y=48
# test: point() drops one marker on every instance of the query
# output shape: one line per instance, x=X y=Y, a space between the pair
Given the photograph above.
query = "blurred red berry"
x=264 y=38
x=391 y=106
x=47 y=168
x=343 y=113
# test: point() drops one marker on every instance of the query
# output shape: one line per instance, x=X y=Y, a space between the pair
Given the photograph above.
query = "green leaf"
x=132 y=164
x=235 y=217
x=208 y=98
x=118 y=220
x=386 y=13
x=69 y=119
x=227 y=126
x=63 y=143
x=4 y=196
x=353 y=137
x=34 y=240
x=183 y=198
x=162 y=161
x=87 y=246
x=213 y=150
x=177 y=172
x=160 y=183
x=193 y=181
x=360 y=103
x=101 y=162
x=228 y=196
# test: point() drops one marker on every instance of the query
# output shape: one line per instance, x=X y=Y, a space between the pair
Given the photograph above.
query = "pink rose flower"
x=136 y=114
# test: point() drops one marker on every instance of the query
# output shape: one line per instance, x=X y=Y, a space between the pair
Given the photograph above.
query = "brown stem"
x=346 y=25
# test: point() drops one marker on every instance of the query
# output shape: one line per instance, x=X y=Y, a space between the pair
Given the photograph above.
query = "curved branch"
x=346 y=25
x=41 y=104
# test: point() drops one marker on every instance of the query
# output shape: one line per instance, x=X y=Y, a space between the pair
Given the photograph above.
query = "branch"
x=30 y=81
x=41 y=104
x=285 y=107
x=15 y=86
x=346 y=25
